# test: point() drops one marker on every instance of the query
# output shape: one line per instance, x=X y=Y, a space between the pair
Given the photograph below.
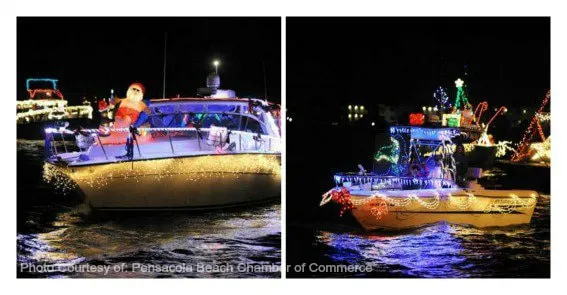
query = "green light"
x=390 y=153
x=462 y=99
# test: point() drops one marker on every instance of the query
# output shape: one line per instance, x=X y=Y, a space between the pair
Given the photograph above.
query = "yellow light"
x=504 y=205
x=50 y=107
x=192 y=168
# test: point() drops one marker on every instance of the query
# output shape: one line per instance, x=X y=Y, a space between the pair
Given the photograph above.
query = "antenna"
x=265 y=84
x=216 y=64
x=164 y=61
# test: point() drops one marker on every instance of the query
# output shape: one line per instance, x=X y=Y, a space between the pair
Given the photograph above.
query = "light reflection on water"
x=160 y=238
x=56 y=230
x=446 y=250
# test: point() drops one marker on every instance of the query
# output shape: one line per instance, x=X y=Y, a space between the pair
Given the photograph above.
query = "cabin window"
x=251 y=125
x=219 y=108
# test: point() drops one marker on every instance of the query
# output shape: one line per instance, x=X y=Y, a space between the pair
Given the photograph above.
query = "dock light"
x=349 y=107
x=361 y=116
x=355 y=116
x=349 y=116
x=356 y=107
x=216 y=64
x=430 y=109
x=424 y=108
x=362 y=108
x=373 y=124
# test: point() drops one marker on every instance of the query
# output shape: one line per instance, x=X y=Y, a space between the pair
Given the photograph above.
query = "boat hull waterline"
x=484 y=208
x=195 y=182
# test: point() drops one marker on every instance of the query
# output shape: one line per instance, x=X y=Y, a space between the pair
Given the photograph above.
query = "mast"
x=265 y=84
x=164 y=61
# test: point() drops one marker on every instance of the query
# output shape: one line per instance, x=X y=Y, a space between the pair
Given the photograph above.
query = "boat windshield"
x=204 y=115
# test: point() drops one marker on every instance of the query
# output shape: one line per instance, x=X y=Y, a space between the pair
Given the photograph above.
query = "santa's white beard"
x=134 y=96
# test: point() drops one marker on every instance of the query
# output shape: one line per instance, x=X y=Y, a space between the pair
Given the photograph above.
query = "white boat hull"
x=480 y=208
x=196 y=182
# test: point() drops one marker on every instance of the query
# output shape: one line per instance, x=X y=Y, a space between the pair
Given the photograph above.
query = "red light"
x=416 y=119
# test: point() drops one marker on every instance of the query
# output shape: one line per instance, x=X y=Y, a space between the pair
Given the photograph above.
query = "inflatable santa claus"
x=128 y=111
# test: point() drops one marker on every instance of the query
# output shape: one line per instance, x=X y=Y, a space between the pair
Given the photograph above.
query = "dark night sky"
x=333 y=61
x=92 y=55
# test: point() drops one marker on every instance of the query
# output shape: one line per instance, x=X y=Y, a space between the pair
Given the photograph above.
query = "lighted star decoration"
x=459 y=83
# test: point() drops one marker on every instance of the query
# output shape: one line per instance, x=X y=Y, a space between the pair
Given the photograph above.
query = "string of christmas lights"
x=461 y=203
x=39 y=104
x=392 y=181
x=441 y=98
x=522 y=152
x=480 y=109
x=188 y=168
x=544 y=117
x=390 y=153
x=57 y=113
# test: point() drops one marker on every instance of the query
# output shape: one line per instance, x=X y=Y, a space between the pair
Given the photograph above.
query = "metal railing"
x=391 y=182
x=241 y=141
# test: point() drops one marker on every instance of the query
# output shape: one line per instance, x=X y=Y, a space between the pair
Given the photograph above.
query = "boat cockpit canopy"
x=239 y=115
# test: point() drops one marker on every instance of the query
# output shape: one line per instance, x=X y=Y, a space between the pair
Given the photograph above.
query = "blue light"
x=436 y=251
x=53 y=82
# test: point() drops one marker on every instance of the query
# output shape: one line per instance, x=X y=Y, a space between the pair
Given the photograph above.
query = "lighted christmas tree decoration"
x=441 y=98
x=461 y=101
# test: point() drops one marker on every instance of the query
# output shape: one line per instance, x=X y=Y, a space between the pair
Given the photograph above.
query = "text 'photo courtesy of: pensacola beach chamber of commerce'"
x=422 y=154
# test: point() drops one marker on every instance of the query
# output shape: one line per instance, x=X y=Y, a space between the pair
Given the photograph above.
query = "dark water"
x=317 y=237
x=58 y=232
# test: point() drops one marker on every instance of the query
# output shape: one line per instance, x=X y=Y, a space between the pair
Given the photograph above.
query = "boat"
x=45 y=105
x=536 y=152
x=530 y=162
x=425 y=187
x=212 y=151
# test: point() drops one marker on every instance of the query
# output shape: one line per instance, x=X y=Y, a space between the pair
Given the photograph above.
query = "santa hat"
x=139 y=85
